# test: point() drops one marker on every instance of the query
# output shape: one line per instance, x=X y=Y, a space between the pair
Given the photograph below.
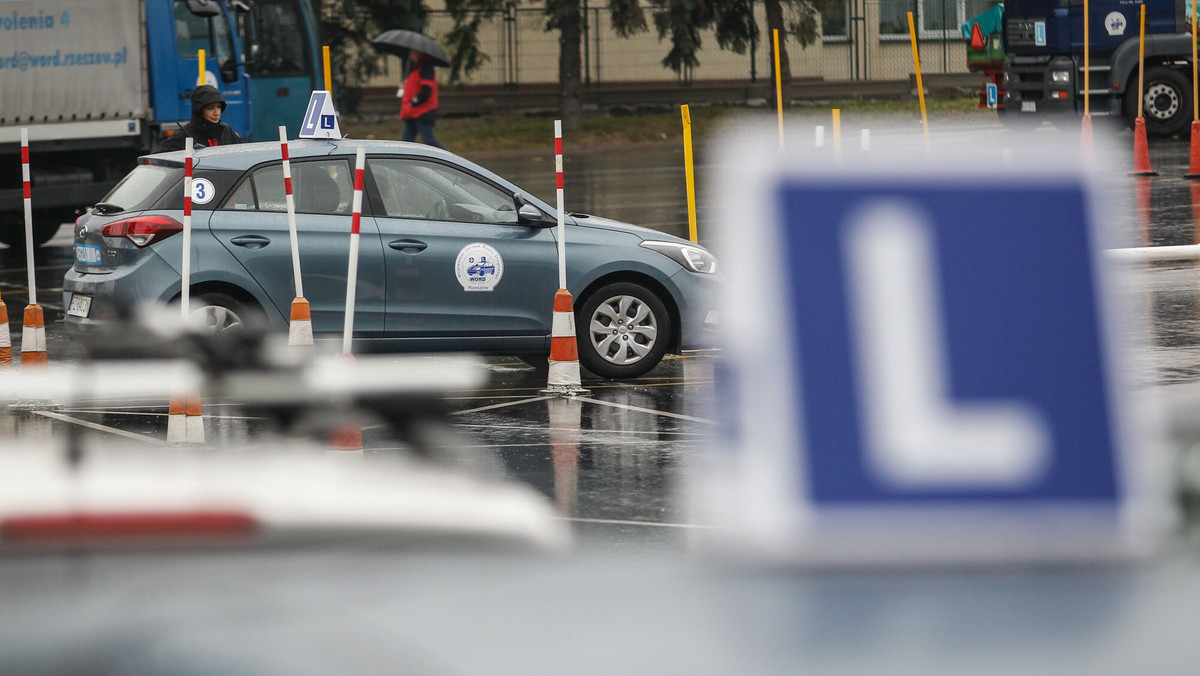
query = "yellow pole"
x=328 y=79
x=778 y=86
x=837 y=135
x=912 y=32
x=689 y=172
x=1141 y=60
x=200 y=79
x=1087 y=63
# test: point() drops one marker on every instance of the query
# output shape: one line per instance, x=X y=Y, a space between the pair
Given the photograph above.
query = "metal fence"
x=869 y=40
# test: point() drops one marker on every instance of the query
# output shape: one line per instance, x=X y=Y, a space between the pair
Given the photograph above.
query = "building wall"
x=872 y=47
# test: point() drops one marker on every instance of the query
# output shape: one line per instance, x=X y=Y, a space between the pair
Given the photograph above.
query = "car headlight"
x=1060 y=76
x=689 y=256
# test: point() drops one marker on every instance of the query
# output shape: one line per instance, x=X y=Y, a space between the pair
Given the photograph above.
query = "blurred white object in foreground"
x=922 y=357
x=160 y=496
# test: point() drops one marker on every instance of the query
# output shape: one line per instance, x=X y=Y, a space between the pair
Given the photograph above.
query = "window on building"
x=835 y=20
x=935 y=19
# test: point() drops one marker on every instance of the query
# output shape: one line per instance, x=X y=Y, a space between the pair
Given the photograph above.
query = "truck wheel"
x=1166 y=102
x=623 y=330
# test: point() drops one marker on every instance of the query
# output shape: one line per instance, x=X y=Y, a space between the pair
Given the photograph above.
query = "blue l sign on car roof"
x=320 y=120
x=915 y=372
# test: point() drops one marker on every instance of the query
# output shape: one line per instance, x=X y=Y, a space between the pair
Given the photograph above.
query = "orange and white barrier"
x=300 y=332
x=185 y=418
x=33 y=335
x=564 y=353
x=300 y=329
x=33 y=338
x=352 y=268
x=5 y=338
x=185 y=421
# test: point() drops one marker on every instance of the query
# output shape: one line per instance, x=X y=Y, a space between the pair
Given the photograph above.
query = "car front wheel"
x=623 y=330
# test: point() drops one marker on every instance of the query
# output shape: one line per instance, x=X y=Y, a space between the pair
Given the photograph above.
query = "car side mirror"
x=229 y=70
x=527 y=214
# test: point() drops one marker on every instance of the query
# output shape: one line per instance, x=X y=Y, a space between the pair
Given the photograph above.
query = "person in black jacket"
x=205 y=127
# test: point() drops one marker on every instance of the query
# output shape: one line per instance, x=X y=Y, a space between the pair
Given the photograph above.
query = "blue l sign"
x=941 y=357
x=920 y=361
x=320 y=120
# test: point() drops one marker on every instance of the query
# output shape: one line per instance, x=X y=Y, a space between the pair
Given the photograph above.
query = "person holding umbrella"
x=419 y=100
x=418 y=93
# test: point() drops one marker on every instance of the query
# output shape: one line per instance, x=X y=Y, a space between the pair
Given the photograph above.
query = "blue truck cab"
x=97 y=83
x=1044 y=75
x=261 y=55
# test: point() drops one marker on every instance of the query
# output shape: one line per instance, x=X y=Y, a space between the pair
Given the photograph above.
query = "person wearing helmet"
x=205 y=127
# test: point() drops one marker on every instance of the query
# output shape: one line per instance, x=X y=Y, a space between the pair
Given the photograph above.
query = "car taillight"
x=143 y=230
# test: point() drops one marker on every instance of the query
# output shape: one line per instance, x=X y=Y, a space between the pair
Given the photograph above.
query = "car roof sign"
x=320 y=119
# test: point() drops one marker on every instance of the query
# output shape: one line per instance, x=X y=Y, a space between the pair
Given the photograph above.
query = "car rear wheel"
x=623 y=330
x=218 y=313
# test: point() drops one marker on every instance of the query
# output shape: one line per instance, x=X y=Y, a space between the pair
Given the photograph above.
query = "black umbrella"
x=399 y=42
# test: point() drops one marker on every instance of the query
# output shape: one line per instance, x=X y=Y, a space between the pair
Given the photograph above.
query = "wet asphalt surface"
x=613 y=462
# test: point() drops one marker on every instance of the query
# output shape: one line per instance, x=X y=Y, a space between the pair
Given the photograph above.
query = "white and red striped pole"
x=349 y=437
x=564 y=352
x=33 y=333
x=185 y=415
x=186 y=269
x=352 y=271
x=300 y=333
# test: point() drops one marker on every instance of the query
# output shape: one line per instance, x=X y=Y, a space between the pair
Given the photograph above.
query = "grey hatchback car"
x=452 y=257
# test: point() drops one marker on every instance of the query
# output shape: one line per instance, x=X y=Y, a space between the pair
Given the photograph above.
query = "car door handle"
x=408 y=245
x=251 y=241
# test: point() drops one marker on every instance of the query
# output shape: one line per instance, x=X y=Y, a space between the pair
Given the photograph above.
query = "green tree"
x=347 y=26
x=680 y=23
x=565 y=16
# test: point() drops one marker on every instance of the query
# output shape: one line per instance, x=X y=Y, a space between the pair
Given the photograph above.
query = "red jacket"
x=421 y=85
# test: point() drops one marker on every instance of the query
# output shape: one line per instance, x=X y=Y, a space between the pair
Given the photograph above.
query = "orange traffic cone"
x=33 y=338
x=5 y=338
x=564 y=352
x=300 y=333
x=1194 y=157
x=1141 y=151
x=185 y=421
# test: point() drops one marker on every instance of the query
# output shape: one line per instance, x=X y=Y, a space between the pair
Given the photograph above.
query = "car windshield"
x=141 y=187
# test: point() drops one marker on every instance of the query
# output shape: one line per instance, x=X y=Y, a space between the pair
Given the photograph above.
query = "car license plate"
x=88 y=254
x=80 y=305
x=1029 y=106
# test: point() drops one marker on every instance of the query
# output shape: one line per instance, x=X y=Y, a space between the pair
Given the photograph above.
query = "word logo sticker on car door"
x=478 y=267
